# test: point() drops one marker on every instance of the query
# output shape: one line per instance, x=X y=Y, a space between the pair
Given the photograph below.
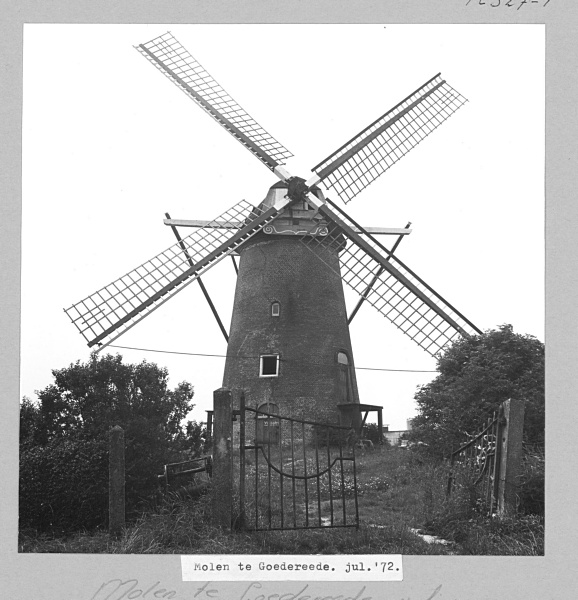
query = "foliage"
x=29 y=421
x=61 y=434
x=371 y=432
x=195 y=439
x=476 y=375
x=64 y=485
x=402 y=492
x=103 y=392
x=324 y=436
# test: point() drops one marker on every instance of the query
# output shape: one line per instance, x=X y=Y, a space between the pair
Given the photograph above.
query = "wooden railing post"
x=510 y=454
x=116 y=484
x=380 y=424
x=222 y=457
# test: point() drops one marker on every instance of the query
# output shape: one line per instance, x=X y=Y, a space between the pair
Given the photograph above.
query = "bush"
x=476 y=375
x=332 y=436
x=64 y=485
x=371 y=432
x=64 y=440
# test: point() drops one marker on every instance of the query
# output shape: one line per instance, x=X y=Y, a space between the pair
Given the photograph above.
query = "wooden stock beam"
x=201 y=284
x=375 y=278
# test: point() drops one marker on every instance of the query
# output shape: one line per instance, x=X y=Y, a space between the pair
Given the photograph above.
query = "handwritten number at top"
x=510 y=3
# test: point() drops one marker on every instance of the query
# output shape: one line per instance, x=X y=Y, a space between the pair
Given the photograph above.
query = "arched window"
x=275 y=309
x=268 y=407
x=345 y=379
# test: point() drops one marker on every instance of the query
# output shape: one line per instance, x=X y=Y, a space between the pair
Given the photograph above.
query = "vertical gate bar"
x=329 y=474
x=293 y=478
x=242 y=461
x=487 y=455
x=489 y=460
x=355 y=489
x=490 y=457
x=476 y=453
x=305 y=475
x=342 y=479
x=318 y=477
x=479 y=447
x=495 y=431
x=281 y=469
x=480 y=461
x=269 y=510
x=497 y=459
x=256 y=474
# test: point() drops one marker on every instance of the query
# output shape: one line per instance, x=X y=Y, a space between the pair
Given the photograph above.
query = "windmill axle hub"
x=297 y=189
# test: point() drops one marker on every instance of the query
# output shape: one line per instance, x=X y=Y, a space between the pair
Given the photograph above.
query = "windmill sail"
x=109 y=312
x=390 y=286
x=170 y=57
x=360 y=161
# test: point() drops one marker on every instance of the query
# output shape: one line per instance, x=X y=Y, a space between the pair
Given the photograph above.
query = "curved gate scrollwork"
x=294 y=473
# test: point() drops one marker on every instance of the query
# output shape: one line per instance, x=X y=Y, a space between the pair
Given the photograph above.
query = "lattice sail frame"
x=355 y=165
x=391 y=287
x=176 y=63
x=111 y=311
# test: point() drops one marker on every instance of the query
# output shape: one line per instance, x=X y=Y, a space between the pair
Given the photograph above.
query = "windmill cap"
x=278 y=191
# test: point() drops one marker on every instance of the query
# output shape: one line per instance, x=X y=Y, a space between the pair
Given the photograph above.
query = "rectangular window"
x=275 y=309
x=269 y=365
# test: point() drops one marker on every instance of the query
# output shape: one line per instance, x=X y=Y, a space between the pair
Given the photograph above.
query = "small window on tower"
x=269 y=365
x=275 y=309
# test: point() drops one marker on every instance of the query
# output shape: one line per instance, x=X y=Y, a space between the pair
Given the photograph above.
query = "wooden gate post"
x=116 y=488
x=222 y=457
x=510 y=455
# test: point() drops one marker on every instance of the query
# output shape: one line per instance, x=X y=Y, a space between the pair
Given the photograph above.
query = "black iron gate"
x=478 y=461
x=295 y=473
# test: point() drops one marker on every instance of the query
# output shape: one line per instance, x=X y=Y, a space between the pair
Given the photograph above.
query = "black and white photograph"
x=355 y=217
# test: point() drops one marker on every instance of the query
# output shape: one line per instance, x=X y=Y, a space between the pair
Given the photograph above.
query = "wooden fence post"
x=222 y=457
x=116 y=490
x=510 y=455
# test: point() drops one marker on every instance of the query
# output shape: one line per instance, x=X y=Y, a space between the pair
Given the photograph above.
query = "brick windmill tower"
x=289 y=346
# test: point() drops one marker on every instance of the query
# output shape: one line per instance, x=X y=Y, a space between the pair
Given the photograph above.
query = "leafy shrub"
x=477 y=374
x=371 y=432
x=64 y=440
x=64 y=485
x=332 y=436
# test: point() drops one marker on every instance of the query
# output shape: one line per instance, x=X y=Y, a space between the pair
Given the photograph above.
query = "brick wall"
x=309 y=332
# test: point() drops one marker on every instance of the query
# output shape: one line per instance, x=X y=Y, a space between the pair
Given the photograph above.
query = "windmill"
x=289 y=342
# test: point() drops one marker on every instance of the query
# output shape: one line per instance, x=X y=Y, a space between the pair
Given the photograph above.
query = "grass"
x=398 y=493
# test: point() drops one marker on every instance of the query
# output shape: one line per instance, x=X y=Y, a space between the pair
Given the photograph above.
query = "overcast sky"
x=110 y=145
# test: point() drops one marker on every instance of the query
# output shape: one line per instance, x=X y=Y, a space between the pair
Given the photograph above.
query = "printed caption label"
x=246 y=567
